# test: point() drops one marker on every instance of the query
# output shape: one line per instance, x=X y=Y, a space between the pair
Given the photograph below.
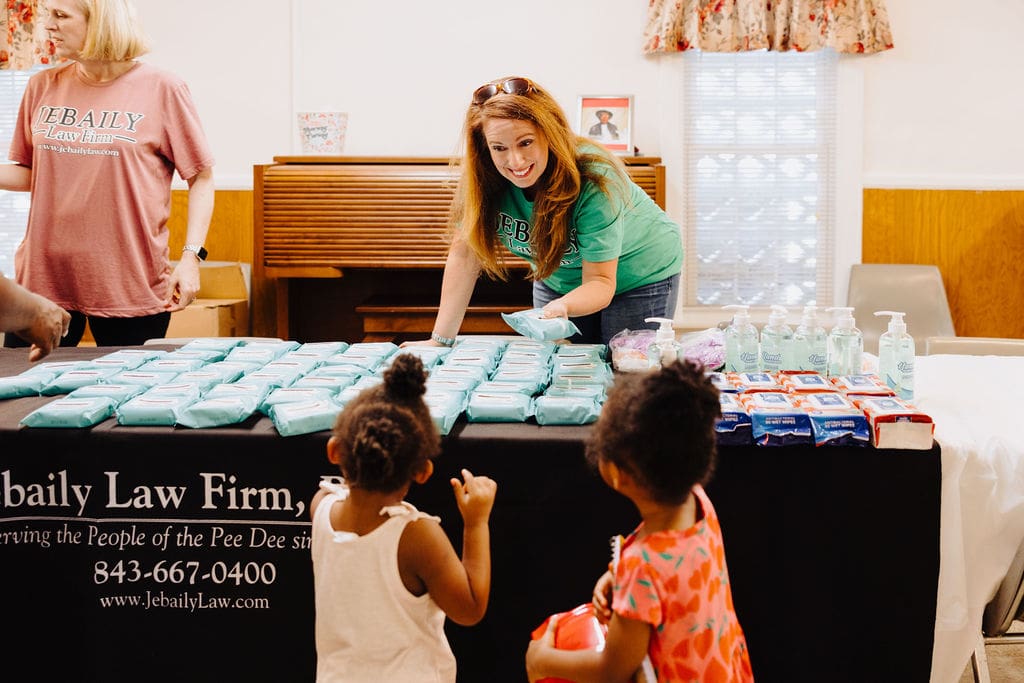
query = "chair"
x=1000 y=613
x=917 y=290
x=974 y=346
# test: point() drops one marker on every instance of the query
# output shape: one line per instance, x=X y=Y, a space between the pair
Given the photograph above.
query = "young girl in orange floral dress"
x=669 y=596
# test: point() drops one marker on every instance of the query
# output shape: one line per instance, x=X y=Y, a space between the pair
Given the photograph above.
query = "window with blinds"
x=13 y=205
x=761 y=179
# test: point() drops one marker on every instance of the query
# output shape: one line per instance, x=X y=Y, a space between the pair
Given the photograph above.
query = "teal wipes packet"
x=470 y=373
x=71 y=412
x=25 y=384
x=240 y=388
x=153 y=410
x=322 y=349
x=595 y=392
x=544 y=348
x=171 y=364
x=428 y=355
x=205 y=355
x=445 y=408
x=191 y=391
x=118 y=392
x=598 y=352
x=565 y=410
x=333 y=384
x=224 y=344
x=304 y=417
x=534 y=376
x=294 y=395
x=499 y=387
x=218 y=411
x=202 y=378
x=529 y=324
x=509 y=407
x=66 y=382
x=146 y=379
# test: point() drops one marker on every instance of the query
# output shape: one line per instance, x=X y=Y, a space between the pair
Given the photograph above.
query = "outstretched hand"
x=475 y=497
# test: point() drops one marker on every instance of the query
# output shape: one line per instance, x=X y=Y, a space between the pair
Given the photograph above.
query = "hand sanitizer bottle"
x=777 y=342
x=845 y=344
x=665 y=350
x=741 y=341
x=896 y=353
x=810 y=343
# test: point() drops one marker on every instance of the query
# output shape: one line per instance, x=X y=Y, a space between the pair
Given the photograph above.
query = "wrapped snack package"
x=577 y=629
x=706 y=347
x=529 y=324
x=629 y=350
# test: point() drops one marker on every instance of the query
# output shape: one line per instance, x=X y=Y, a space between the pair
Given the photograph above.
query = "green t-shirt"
x=640 y=235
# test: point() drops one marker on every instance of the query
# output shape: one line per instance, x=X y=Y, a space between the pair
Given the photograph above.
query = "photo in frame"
x=607 y=119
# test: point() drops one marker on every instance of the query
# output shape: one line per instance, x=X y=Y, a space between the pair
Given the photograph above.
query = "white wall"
x=942 y=109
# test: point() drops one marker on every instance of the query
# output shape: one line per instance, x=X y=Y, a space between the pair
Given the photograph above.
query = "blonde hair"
x=475 y=208
x=113 y=31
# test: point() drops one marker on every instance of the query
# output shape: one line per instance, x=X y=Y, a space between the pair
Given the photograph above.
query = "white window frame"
x=846 y=240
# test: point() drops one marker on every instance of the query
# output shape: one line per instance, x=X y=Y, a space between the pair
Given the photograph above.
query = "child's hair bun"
x=405 y=380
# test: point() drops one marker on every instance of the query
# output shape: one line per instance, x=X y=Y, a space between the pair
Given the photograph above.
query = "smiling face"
x=66 y=26
x=518 y=150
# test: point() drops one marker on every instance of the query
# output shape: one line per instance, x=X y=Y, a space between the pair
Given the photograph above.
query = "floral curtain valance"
x=22 y=45
x=740 y=25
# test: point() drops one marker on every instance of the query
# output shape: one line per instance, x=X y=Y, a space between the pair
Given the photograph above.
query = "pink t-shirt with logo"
x=102 y=158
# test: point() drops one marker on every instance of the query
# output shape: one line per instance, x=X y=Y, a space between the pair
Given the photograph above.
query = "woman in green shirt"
x=602 y=253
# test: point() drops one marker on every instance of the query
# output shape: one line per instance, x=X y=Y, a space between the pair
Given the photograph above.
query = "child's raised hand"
x=602 y=597
x=475 y=497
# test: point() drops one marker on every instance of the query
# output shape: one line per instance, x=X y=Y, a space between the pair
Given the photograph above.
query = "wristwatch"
x=196 y=249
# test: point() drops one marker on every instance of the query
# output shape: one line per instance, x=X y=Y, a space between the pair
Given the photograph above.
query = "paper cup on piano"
x=322 y=132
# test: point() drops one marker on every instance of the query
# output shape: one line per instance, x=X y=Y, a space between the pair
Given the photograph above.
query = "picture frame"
x=607 y=120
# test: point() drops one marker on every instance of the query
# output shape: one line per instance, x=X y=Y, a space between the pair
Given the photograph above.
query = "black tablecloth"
x=832 y=552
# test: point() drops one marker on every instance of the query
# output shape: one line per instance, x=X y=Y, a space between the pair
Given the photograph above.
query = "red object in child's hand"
x=577 y=629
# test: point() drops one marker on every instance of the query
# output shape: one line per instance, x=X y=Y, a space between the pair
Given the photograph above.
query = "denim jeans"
x=626 y=311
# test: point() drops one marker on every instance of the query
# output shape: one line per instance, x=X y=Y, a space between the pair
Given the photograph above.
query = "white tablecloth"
x=977 y=403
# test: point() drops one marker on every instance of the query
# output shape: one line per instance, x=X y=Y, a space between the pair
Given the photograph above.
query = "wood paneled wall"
x=976 y=238
x=230 y=235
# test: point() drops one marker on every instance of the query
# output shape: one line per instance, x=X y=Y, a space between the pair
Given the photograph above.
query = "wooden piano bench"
x=394 y=319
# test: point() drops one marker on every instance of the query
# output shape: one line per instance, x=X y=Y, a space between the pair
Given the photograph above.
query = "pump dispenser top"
x=665 y=350
x=742 y=346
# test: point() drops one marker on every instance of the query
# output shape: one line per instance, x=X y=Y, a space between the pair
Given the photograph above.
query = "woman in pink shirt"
x=98 y=139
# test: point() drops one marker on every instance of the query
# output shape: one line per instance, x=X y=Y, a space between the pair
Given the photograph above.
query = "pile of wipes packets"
x=302 y=388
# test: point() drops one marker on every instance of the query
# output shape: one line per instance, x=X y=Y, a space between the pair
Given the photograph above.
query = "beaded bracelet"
x=443 y=341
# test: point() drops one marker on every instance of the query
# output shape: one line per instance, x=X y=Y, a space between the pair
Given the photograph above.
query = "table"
x=176 y=554
x=976 y=403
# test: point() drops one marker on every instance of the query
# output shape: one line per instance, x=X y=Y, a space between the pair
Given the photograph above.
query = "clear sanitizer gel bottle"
x=665 y=350
x=777 y=342
x=742 y=347
x=845 y=345
x=896 y=353
x=810 y=343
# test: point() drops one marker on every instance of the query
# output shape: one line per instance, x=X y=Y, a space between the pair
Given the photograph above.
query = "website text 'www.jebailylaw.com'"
x=192 y=602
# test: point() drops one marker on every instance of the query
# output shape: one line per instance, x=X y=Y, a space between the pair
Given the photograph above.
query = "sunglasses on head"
x=509 y=86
